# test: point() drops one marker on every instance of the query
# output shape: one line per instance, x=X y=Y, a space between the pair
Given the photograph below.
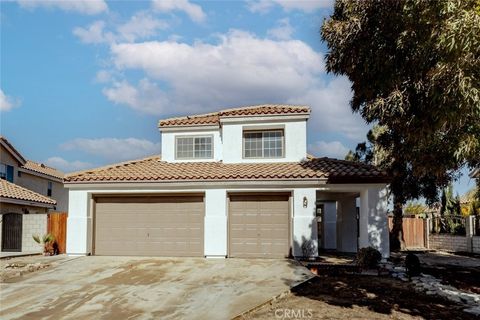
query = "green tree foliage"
x=414 y=208
x=415 y=71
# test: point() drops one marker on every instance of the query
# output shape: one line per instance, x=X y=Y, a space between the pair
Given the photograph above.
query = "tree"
x=415 y=71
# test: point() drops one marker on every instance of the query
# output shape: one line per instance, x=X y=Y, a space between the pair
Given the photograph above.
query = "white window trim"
x=263 y=150
x=194 y=137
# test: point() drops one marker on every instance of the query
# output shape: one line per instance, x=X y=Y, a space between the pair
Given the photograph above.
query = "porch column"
x=79 y=223
x=304 y=222
x=373 y=222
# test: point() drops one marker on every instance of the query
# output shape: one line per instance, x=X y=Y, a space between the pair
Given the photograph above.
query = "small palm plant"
x=47 y=241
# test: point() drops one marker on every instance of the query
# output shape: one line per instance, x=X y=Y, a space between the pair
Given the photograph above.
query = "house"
x=234 y=183
x=28 y=191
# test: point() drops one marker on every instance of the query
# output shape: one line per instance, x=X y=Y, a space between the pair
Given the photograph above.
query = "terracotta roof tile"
x=41 y=168
x=214 y=118
x=12 y=191
x=154 y=170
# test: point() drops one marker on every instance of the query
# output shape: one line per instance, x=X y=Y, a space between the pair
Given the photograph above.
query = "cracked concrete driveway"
x=148 y=288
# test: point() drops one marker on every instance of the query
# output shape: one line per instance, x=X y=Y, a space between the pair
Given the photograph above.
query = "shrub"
x=368 y=258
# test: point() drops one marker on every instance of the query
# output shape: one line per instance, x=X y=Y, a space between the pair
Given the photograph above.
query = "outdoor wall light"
x=305 y=202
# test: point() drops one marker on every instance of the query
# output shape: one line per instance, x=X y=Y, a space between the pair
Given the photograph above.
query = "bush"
x=368 y=258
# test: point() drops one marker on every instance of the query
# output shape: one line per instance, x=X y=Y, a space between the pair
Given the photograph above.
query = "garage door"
x=259 y=226
x=149 y=226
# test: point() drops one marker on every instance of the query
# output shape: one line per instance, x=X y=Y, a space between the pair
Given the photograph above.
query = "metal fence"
x=455 y=225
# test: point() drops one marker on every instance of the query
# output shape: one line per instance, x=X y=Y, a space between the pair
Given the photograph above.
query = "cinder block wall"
x=476 y=244
x=33 y=224
x=447 y=242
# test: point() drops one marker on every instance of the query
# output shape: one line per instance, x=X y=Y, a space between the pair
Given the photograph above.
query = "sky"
x=83 y=83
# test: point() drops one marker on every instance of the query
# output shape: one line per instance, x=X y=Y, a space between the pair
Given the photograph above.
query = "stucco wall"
x=8 y=159
x=168 y=144
x=40 y=185
x=295 y=141
x=303 y=220
x=33 y=224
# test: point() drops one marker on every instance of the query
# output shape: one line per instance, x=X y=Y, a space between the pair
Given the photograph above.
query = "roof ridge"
x=191 y=116
x=294 y=106
x=112 y=166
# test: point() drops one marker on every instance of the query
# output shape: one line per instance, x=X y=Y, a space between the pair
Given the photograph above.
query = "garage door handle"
x=148 y=235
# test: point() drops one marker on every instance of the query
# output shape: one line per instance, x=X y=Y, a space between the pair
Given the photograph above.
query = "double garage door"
x=258 y=226
x=149 y=226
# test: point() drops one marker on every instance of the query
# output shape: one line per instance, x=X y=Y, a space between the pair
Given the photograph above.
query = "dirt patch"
x=359 y=297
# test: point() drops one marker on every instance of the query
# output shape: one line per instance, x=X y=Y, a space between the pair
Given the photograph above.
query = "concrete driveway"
x=147 y=288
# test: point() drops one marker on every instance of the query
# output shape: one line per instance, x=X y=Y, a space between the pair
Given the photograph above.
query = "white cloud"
x=67 y=166
x=94 y=33
x=145 y=97
x=283 y=30
x=140 y=26
x=194 y=11
x=113 y=149
x=331 y=109
x=240 y=69
x=264 y=6
x=333 y=149
x=103 y=76
x=89 y=7
x=7 y=103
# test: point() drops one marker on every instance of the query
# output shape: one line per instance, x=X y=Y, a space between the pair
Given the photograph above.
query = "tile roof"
x=12 y=191
x=152 y=169
x=214 y=118
x=41 y=168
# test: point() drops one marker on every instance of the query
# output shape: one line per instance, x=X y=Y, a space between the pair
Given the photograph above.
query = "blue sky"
x=84 y=83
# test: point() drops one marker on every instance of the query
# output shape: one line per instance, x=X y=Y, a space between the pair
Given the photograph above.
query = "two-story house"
x=28 y=191
x=234 y=183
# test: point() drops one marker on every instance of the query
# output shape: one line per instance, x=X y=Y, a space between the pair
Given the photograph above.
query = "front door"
x=12 y=232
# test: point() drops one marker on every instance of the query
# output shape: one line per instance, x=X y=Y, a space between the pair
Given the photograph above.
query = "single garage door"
x=259 y=226
x=149 y=226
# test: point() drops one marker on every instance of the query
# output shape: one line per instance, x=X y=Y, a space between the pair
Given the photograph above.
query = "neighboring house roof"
x=31 y=165
x=152 y=169
x=7 y=145
x=11 y=191
x=214 y=118
x=41 y=168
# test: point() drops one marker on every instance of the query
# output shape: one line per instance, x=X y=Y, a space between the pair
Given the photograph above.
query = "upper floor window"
x=6 y=172
x=263 y=144
x=193 y=147
x=49 y=188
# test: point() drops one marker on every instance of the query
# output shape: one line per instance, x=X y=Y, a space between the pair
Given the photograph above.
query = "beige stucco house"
x=28 y=191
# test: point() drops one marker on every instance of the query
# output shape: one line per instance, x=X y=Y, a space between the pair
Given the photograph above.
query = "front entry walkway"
x=148 y=288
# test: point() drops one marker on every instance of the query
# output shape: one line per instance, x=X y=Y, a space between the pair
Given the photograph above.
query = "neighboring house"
x=28 y=191
x=235 y=183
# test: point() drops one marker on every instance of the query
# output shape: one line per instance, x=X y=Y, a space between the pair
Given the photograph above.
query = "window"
x=198 y=147
x=19 y=173
x=49 y=189
x=263 y=144
x=6 y=172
